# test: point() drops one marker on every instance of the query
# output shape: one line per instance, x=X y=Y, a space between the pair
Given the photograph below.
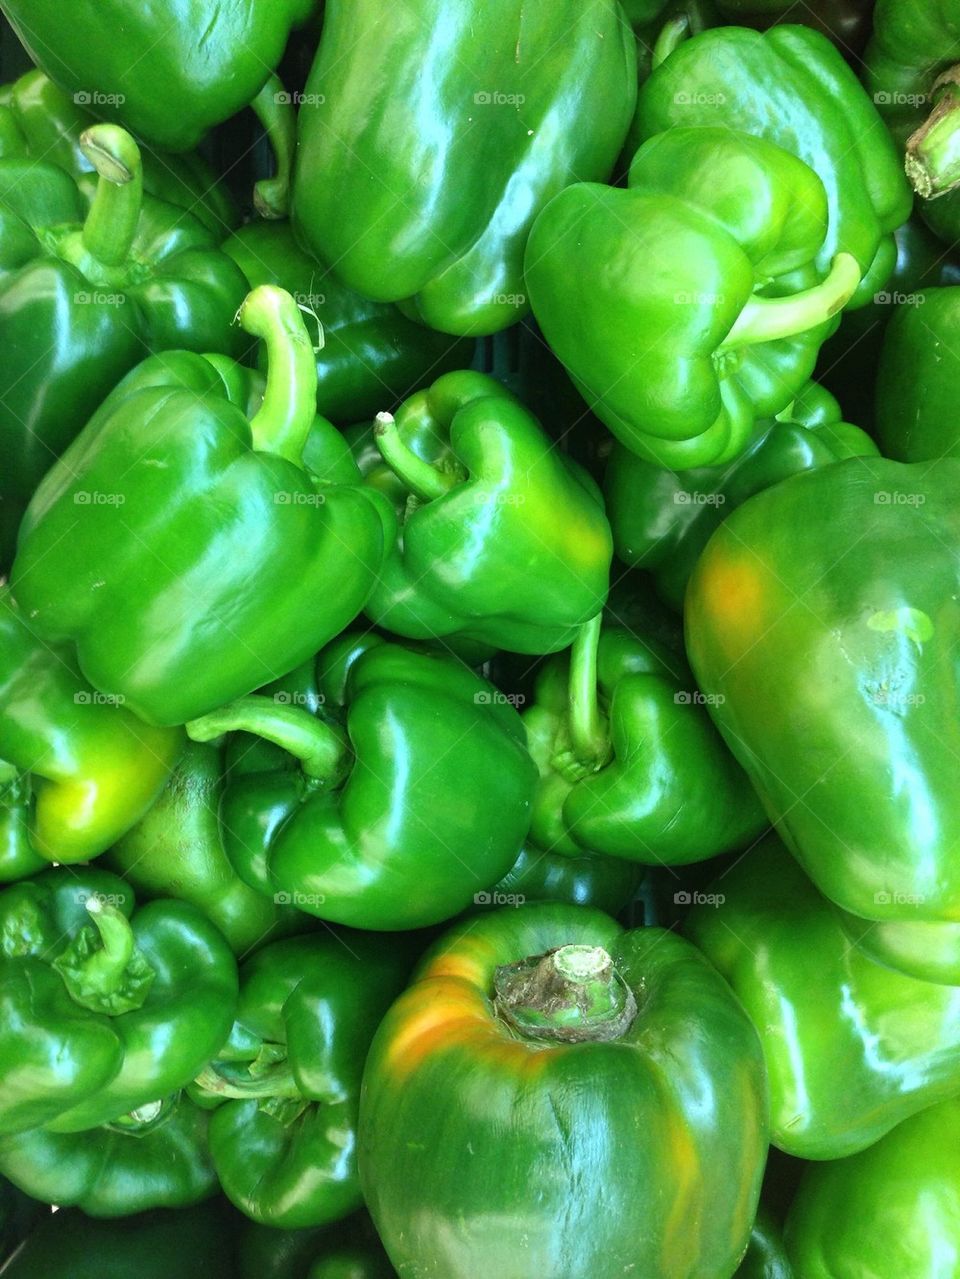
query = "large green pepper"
x=348 y=1250
x=681 y=362
x=630 y=764
x=852 y=1047
x=156 y=1157
x=372 y=356
x=555 y=1096
x=93 y=276
x=827 y=647
x=444 y=133
x=215 y=561
x=918 y=380
x=499 y=537
x=580 y=879
x=104 y=1010
x=78 y=769
x=385 y=819
x=283 y=1141
x=39 y=120
x=890 y=1211
x=792 y=87
x=662 y=519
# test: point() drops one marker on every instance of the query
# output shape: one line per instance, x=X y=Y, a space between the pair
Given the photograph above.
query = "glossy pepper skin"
x=828 y=644
x=894 y=1207
x=105 y=1009
x=373 y=356
x=78 y=768
x=173 y=592
x=662 y=519
x=498 y=537
x=681 y=363
x=94 y=275
x=156 y=1158
x=586 y=879
x=347 y=1250
x=40 y=121
x=176 y=850
x=852 y=1047
x=630 y=763
x=588 y=1136
x=790 y=86
x=383 y=818
x=766 y=1256
x=918 y=380
x=283 y=1139
x=444 y=134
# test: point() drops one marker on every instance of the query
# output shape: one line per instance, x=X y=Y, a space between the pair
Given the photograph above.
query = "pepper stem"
x=671 y=37
x=102 y=968
x=932 y=159
x=273 y=107
x=322 y=750
x=769 y=319
x=283 y=421
x=572 y=995
x=111 y=224
x=236 y=1085
x=424 y=480
x=588 y=733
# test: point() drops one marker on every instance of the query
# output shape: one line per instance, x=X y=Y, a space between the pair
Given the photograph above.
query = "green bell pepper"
x=889 y=1211
x=600 y=1095
x=918 y=380
x=78 y=768
x=499 y=537
x=171 y=585
x=372 y=356
x=93 y=276
x=103 y=1010
x=845 y=22
x=444 y=134
x=287 y=1080
x=766 y=1256
x=680 y=363
x=585 y=879
x=852 y=1047
x=156 y=1157
x=40 y=121
x=790 y=86
x=176 y=850
x=825 y=643
x=384 y=820
x=662 y=519
x=348 y=1250
x=630 y=764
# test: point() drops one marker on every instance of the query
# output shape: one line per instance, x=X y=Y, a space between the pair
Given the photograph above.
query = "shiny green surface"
x=587 y=879
x=516 y=552
x=444 y=129
x=735 y=222
x=918 y=380
x=596 y=1158
x=767 y=1254
x=175 y=587
x=852 y=1048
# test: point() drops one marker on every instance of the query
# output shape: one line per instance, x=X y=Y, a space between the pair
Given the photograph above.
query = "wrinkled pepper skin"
x=94 y=275
x=682 y=362
x=150 y=1245
x=889 y=1211
x=381 y=816
x=790 y=86
x=659 y=786
x=817 y=661
x=508 y=543
x=444 y=133
x=634 y=1139
x=918 y=380
x=176 y=850
x=283 y=1139
x=116 y=1170
x=662 y=519
x=372 y=356
x=104 y=1009
x=347 y=1250
x=171 y=588
x=168 y=71
x=81 y=769
x=39 y=120
x=852 y=1047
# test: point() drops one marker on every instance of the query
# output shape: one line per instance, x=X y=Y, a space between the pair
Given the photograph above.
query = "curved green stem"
x=111 y=224
x=671 y=37
x=234 y=1085
x=102 y=969
x=932 y=159
x=273 y=107
x=770 y=319
x=572 y=995
x=422 y=479
x=588 y=733
x=322 y=750
x=283 y=421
